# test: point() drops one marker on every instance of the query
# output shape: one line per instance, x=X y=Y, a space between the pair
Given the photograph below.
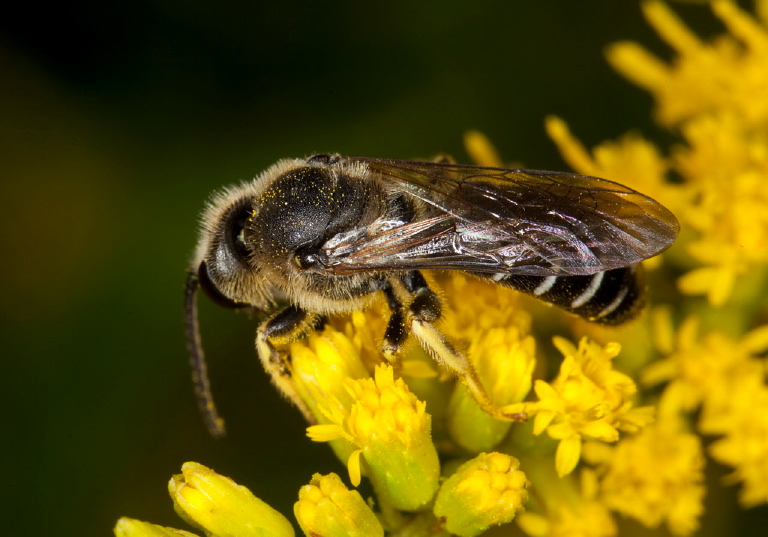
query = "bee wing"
x=508 y=221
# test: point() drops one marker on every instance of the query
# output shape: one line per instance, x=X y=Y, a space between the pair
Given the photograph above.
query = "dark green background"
x=116 y=123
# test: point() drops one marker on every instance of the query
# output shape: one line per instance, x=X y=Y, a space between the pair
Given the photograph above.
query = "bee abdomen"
x=610 y=297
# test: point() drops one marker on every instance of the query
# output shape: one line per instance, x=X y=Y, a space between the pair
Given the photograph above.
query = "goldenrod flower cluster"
x=615 y=417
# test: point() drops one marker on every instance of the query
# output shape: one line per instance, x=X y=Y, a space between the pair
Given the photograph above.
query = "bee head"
x=223 y=269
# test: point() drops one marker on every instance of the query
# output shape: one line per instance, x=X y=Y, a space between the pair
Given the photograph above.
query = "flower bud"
x=504 y=360
x=485 y=491
x=326 y=507
x=129 y=527
x=223 y=508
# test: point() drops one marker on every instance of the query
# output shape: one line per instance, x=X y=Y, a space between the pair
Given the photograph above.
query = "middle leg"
x=419 y=317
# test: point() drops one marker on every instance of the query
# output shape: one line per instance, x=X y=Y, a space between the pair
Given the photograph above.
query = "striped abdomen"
x=609 y=297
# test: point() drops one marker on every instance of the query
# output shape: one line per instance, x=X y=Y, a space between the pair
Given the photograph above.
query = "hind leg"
x=419 y=317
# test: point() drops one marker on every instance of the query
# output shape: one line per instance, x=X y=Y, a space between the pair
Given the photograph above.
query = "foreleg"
x=284 y=327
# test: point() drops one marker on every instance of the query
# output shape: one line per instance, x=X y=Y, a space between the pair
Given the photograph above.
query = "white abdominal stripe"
x=609 y=297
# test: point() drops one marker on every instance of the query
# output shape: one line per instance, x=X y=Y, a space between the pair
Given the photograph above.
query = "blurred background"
x=118 y=121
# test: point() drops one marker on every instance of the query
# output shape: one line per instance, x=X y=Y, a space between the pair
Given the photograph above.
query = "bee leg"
x=396 y=332
x=319 y=324
x=284 y=327
x=423 y=312
x=424 y=304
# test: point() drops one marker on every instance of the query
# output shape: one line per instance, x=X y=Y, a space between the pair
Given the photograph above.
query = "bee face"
x=327 y=233
x=222 y=261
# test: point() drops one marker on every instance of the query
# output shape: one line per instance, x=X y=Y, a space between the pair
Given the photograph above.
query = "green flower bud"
x=223 y=508
x=485 y=491
x=504 y=359
x=129 y=527
x=326 y=507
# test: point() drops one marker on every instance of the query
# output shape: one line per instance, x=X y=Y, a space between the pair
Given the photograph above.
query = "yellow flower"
x=505 y=362
x=567 y=508
x=326 y=507
x=486 y=491
x=365 y=330
x=587 y=399
x=726 y=73
x=704 y=369
x=726 y=167
x=321 y=363
x=391 y=430
x=655 y=476
x=715 y=94
x=501 y=348
x=473 y=306
x=744 y=442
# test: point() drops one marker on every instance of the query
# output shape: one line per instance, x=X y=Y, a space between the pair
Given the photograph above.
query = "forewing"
x=509 y=221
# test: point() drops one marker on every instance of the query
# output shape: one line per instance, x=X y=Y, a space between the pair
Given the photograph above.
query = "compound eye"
x=210 y=289
x=237 y=232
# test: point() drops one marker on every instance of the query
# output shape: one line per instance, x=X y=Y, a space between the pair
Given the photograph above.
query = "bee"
x=328 y=233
